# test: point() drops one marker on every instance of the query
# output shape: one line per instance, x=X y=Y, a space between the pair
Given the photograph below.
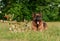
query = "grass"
x=51 y=34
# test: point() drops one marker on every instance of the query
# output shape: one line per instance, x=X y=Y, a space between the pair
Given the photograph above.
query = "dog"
x=37 y=22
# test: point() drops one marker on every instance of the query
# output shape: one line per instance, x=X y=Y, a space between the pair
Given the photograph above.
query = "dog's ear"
x=33 y=14
x=40 y=14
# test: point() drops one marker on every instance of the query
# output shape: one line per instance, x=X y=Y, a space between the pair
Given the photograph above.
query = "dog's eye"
x=38 y=16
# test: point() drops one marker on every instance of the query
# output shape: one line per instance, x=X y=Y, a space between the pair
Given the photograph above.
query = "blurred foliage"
x=22 y=9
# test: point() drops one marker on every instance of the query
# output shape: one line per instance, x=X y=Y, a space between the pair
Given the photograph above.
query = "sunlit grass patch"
x=51 y=34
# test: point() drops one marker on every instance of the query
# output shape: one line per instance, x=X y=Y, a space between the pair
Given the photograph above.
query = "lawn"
x=51 y=34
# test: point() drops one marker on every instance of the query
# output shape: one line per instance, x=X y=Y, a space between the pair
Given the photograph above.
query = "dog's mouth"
x=37 y=22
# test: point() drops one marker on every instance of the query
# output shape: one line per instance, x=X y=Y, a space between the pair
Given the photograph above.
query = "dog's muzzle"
x=37 y=19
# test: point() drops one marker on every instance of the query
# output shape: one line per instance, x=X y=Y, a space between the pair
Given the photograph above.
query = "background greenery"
x=22 y=9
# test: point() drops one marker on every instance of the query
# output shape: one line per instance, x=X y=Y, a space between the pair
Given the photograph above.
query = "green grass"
x=51 y=34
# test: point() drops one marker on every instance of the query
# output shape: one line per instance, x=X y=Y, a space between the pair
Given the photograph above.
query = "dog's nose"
x=38 y=18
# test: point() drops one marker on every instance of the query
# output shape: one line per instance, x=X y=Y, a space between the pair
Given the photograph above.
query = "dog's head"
x=37 y=17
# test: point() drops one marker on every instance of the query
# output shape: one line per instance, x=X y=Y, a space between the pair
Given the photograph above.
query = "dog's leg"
x=34 y=28
x=40 y=27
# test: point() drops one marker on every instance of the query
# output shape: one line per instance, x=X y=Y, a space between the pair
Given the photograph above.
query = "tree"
x=22 y=9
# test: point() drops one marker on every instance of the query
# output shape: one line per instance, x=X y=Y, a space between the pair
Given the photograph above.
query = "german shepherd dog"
x=37 y=23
